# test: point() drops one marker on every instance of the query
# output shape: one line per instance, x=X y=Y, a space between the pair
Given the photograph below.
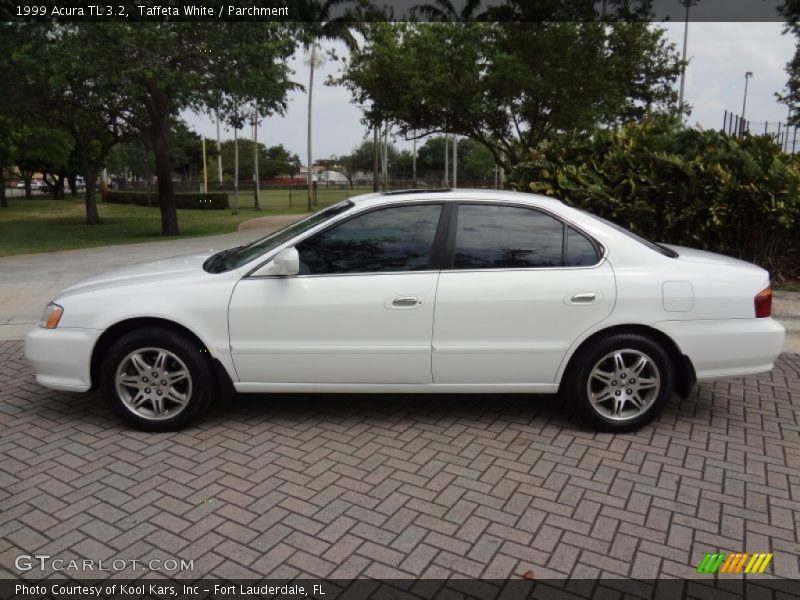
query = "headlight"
x=51 y=316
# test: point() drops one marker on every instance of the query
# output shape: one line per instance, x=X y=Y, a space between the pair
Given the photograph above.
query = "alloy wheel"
x=623 y=384
x=153 y=383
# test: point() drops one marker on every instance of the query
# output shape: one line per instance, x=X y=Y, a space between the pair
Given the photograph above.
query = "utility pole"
x=414 y=162
x=375 y=157
x=747 y=77
x=688 y=4
x=219 y=156
x=455 y=160
x=236 y=161
x=255 y=157
x=312 y=63
x=385 y=158
x=205 y=168
x=446 y=161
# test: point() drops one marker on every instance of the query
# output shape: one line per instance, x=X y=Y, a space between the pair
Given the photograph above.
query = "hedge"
x=703 y=189
x=190 y=200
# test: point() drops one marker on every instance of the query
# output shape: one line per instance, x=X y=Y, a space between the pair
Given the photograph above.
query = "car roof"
x=450 y=195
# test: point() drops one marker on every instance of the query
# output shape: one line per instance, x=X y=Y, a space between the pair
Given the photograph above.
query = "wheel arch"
x=121 y=328
x=685 y=377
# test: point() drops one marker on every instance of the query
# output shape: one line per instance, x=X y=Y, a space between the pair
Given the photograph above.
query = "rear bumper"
x=62 y=357
x=727 y=347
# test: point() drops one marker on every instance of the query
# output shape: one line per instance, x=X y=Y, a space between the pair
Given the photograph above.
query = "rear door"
x=520 y=287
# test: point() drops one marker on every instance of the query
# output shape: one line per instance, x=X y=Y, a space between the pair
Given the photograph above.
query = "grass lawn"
x=42 y=225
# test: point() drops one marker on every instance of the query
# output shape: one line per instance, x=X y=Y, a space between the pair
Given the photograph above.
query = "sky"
x=719 y=54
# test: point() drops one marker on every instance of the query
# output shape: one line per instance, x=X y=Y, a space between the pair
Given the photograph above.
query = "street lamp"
x=747 y=77
x=688 y=4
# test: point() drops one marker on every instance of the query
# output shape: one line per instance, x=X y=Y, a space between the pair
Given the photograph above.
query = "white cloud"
x=720 y=54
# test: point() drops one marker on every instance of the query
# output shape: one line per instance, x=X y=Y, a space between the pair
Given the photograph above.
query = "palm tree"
x=445 y=10
x=320 y=26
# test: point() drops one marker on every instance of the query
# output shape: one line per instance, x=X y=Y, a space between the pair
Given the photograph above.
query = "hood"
x=168 y=269
x=701 y=256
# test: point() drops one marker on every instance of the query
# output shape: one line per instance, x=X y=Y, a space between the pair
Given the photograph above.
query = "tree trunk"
x=3 y=199
x=72 y=181
x=159 y=136
x=89 y=173
x=58 y=192
x=27 y=178
x=92 y=217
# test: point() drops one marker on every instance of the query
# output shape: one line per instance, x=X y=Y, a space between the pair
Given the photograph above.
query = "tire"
x=180 y=392
x=597 y=392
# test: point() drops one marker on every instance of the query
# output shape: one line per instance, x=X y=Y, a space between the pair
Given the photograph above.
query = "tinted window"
x=236 y=257
x=490 y=237
x=579 y=251
x=391 y=239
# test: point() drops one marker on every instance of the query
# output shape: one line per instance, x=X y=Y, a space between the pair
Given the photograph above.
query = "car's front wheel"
x=157 y=380
x=620 y=382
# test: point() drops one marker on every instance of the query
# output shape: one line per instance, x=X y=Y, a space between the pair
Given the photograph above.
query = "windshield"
x=234 y=258
x=652 y=245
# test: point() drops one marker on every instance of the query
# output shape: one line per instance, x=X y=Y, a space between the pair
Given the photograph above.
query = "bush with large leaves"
x=705 y=189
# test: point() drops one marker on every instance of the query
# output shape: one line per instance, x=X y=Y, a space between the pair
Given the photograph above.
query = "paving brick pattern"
x=403 y=486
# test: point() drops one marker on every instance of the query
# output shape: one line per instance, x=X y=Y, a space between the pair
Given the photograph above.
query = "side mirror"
x=285 y=263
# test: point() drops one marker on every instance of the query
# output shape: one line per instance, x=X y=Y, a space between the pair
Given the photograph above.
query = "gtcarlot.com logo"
x=45 y=562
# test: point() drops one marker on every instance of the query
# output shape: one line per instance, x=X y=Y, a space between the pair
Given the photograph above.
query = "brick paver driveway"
x=392 y=486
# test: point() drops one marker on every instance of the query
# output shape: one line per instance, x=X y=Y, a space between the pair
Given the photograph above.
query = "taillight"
x=763 y=303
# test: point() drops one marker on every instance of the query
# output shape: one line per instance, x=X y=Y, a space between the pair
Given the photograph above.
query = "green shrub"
x=703 y=189
x=190 y=200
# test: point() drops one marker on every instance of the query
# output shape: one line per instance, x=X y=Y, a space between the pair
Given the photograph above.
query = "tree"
x=131 y=161
x=9 y=142
x=163 y=68
x=278 y=161
x=62 y=89
x=444 y=10
x=682 y=186
x=320 y=25
x=275 y=161
x=41 y=149
x=360 y=160
x=791 y=96
x=11 y=128
x=475 y=161
x=510 y=85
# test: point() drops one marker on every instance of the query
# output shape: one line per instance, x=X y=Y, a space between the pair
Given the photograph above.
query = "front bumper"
x=62 y=357
x=727 y=347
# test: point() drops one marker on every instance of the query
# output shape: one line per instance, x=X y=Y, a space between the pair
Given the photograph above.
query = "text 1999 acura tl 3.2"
x=452 y=291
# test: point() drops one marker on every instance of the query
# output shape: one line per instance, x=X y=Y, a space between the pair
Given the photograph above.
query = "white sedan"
x=423 y=291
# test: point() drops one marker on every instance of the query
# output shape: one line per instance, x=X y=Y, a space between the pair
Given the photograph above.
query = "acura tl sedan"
x=452 y=291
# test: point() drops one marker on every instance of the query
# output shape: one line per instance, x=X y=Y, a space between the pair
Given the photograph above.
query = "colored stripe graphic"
x=711 y=563
x=734 y=563
x=758 y=563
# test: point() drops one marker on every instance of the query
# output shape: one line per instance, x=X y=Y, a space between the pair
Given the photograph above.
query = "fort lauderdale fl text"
x=140 y=590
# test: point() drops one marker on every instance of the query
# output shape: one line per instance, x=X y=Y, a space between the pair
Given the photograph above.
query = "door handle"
x=404 y=302
x=583 y=298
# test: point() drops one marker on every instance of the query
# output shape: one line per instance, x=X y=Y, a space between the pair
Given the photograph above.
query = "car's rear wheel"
x=157 y=380
x=620 y=382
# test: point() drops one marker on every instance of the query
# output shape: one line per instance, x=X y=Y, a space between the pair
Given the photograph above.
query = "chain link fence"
x=783 y=134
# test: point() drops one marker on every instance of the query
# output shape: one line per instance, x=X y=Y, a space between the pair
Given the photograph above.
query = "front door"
x=521 y=288
x=360 y=311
